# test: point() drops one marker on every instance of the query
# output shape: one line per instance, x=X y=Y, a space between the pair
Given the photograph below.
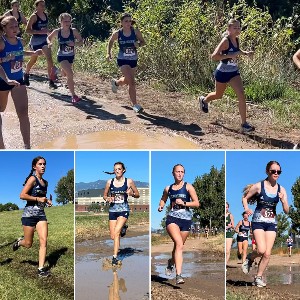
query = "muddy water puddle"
x=193 y=263
x=120 y=140
x=282 y=275
x=96 y=279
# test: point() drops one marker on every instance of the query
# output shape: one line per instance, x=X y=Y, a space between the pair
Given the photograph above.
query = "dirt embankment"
x=169 y=119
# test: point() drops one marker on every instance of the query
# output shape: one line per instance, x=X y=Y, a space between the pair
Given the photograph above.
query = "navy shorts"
x=114 y=215
x=126 y=62
x=6 y=87
x=183 y=224
x=240 y=239
x=264 y=226
x=32 y=221
x=37 y=47
x=225 y=77
x=70 y=59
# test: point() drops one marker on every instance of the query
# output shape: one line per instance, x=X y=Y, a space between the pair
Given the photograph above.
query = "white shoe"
x=114 y=86
x=169 y=269
x=137 y=108
x=246 y=265
x=258 y=282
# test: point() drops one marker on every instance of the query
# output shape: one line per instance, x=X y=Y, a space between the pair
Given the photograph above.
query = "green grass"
x=92 y=225
x=18 y=279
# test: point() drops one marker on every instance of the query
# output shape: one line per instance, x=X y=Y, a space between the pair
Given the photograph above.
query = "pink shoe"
x=75 y=99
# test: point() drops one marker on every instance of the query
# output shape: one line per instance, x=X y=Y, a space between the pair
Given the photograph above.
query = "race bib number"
x=268 y=213
x=65 y=49
x=129 y=51
x=119 y=198
x=232 y=63
x=15 y=66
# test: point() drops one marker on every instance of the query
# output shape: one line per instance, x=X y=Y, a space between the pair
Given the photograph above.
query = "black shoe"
x=239 y=255
x=52 y=85
x=26 y=79
x=114 y=261
x=43 y=272
x=123 y=230
x=203 y=105
x=16 y=245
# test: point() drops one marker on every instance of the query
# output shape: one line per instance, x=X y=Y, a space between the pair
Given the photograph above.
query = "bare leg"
x=128 y=78
x=67 y=69
x=245 y=248
x=115 y=227
x=218 y=93
x=228 y=248
x=3 y=104
x=42 y=230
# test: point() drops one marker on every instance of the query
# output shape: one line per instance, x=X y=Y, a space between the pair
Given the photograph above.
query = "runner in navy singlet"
x=116 y=192
x=267 y=194
x=33 y=217
x=242 y=229
x=183 y=198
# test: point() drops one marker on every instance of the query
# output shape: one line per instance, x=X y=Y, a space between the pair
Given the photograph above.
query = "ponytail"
x=30 y=174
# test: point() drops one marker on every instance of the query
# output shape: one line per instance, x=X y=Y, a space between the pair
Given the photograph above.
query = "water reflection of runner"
x=129 y=40
x=116 y=192
x=183 y=197
x=34 y=217
x=242 y=229
x=289 y=242
x=114 y=288
x=264 y=221
x=68 y=38
x=229 y=232
x=227 y=72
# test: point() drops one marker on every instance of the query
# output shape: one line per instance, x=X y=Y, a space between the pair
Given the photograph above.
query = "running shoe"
x=247 y=264
x=43 y=272
x=137 y=108
x=16 y=245
x=246 y=127
x=170 y=268
x=179 y=279
x=123 y=230
x=52 y=85
x=203 y=105
x=26 y=79
x=114 y=261
x=297 y=146
x=259 y=282
x=114 y=86
x=75 y=99
x=239 y=255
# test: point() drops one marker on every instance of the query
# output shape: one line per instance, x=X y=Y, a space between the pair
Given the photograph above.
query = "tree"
x=295 y=209
x=65 y=189
x=8 y=207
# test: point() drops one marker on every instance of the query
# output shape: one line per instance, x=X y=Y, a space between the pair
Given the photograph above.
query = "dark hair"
x=127 y=15
x=270 y=163
x=4 y=21
x=117 y=163
x=33 y=164
x=244 y=213
x=227 y=203
x=177 y=166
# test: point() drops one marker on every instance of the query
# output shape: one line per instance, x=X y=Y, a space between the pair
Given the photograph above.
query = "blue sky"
x=244 y=167
x=90 y=165
x=16 y=165
x=196 y=163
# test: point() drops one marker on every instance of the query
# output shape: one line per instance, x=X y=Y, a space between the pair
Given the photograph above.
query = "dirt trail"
x=206 y=282
x=170 y=120
x=282 y=277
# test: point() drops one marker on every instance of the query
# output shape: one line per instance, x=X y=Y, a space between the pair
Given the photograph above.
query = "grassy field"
x=18 y=279
x=93 y=225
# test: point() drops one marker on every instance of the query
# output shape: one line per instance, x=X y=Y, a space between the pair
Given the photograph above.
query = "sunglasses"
x=275 y=172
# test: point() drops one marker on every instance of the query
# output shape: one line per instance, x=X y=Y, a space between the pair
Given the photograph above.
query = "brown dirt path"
x=170 y=120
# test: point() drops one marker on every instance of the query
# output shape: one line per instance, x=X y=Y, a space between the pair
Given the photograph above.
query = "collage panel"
x=262 y=225
x=187 y=224
x=112 y=225
x=37 y=225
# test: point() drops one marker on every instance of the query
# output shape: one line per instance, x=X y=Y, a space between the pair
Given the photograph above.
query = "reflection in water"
x=283 y=274
x=116 y=286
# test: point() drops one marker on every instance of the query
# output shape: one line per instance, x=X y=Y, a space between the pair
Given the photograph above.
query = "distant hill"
x=100 y=184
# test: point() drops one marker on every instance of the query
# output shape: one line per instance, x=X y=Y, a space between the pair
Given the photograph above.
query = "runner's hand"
x=13 y=82
x=160 y=208
x=71 y=44
x=249 y=212
x=249 y=54
x=179 y=202
x=38 y=52
x=280 y=195
x=49 y=201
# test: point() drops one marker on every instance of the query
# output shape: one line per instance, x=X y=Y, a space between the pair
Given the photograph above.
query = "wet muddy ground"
x=282 y=278
x=203 y=272
x=102 y=115
x=95 y=278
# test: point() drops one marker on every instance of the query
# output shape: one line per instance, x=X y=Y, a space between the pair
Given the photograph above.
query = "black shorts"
x=264 y=226
x=240 y=239
x=32 y=221
x=125 y=62
x=70 y=59
x=6 y=87
x=114 y=215
x=183 y=224
x=225 y=77
x=37 y=47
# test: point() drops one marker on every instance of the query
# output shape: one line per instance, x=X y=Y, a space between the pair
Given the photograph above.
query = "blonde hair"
x=64 y=15
x=246 y=190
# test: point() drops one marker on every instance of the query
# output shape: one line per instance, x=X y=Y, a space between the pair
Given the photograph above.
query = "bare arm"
x=52 y=36
x=296 y=58
x=132 y=190
x=283 y=198
x=141 y=42
x=78 y=37
x=106 y=190
x=23 y=19
x=111 y=41
x=26 y=189
x=237 y=226
x=163 y=199
x=194 y=197
x=255 y=189
x=32 y=20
